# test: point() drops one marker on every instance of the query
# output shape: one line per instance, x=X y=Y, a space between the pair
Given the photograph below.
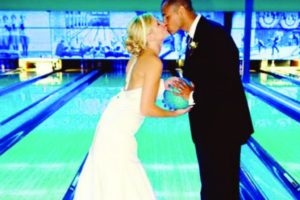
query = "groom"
x=220 y=119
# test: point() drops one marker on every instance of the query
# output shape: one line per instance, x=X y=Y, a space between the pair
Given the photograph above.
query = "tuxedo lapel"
x=197 y=40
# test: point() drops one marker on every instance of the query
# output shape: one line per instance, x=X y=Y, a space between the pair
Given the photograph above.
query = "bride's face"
x=159 y=30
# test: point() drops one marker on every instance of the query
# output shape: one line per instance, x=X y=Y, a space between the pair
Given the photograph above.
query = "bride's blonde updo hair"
x=137 y=33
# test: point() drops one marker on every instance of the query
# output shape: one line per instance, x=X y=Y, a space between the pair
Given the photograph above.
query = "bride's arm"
x=153 y=71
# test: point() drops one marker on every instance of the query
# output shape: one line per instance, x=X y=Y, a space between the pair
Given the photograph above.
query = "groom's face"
x=171 y=18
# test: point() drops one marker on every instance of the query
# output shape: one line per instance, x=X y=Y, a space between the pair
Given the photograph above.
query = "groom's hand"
x=172 y=82
x=185 y=89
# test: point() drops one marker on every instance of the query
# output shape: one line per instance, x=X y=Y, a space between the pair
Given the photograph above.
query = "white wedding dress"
x=112 y=170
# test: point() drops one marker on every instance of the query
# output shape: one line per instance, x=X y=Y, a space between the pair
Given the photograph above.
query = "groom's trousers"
x=219 y=164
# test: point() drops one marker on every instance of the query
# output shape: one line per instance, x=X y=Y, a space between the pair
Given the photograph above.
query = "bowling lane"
x=168 y=154
x=23 y=97
x=281 y=86
x=17 y=76
x=268 y=184
x=42 y=164
x=6 y=80
x=277 y=134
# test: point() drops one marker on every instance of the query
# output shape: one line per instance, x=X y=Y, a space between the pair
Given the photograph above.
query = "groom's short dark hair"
x=185 y=3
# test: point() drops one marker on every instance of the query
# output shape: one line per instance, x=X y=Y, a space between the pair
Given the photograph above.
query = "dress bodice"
x=133 y=97
x=136 y=93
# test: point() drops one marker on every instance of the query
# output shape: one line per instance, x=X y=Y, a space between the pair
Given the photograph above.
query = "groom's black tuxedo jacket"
x=221 y=112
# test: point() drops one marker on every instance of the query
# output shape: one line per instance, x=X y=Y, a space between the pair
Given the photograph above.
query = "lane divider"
x=288 y=107
x=20 y=85
x=36 y=103
x=13 y=134
x=248 y=188
x=280 y=173
x=281 y=102
x=71 y=190
x=295 y=81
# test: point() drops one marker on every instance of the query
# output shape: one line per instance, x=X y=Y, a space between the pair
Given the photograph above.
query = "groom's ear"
x=181 y=10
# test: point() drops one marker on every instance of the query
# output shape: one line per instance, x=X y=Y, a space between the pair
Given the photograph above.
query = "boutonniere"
x=180 y=62
x=193 y=45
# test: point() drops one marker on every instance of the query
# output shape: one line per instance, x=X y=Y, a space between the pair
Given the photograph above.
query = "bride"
x=112 y=170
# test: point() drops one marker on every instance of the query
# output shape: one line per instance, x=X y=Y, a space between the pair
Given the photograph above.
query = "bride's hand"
x=183 y=111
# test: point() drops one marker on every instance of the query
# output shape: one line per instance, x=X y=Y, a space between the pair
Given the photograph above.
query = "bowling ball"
x=173 y=101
